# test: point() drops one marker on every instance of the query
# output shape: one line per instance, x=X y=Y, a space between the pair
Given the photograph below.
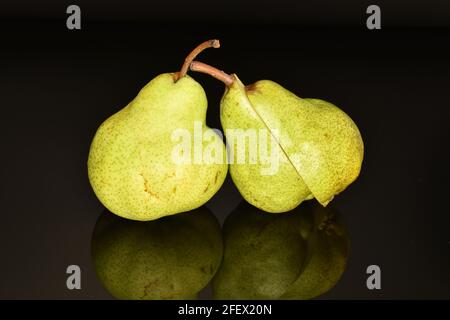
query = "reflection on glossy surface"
x=170 y=258
x=296 y=255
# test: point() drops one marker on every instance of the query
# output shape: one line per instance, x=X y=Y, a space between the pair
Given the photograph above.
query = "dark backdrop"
x=401 y=13
x=57 y=86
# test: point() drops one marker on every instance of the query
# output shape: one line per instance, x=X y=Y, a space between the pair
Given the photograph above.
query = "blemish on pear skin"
x=147 y=188
x=171 y=175
x=206 y=189
x=174 y=190
x=215 y=178
x=251 y=87
x=153 y=194
x=327 y=136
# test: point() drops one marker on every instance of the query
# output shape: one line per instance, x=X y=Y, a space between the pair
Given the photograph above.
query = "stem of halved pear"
x=191 y=56
x=198 y=66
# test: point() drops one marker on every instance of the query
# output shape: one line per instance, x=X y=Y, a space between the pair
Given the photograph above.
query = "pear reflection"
x=171 y=258
x=296 y=255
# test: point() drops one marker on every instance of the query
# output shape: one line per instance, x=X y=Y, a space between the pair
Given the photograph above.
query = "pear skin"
x=277 y=191
x=131 y=164
x=174 y=257
x=321 y=141
x=314 y=137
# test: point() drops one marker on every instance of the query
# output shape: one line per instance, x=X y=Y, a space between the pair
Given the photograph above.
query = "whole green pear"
x=135 y=165
x=318 y=147
x=174 y=257
x=263 y=254
x=298 y=255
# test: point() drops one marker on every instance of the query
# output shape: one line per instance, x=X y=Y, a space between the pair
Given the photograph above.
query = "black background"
x=57 y=86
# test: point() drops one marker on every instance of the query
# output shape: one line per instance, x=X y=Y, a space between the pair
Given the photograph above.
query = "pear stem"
x=187 y=61
x=198 y=66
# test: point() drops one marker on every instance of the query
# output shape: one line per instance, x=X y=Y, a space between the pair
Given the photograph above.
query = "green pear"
x=136 y=166
x=273 y=192
x=322 y=142
x=299 y=255
x=319 y=147
x=174 y=257
x=263 y=254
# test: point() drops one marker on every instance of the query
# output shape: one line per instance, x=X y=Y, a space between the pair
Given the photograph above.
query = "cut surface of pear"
x=131 y=164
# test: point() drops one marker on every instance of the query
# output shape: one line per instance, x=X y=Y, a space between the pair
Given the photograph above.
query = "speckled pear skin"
x=174 y=257
x=280 y=192
x=130 y=162
x=321 y=141
x=263 y=254
x=328 y=248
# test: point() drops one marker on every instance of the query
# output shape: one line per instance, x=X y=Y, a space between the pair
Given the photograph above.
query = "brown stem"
x=187 y=62
x=198 y=66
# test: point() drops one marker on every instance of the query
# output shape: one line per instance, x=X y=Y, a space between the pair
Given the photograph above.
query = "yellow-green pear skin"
x=322 y=142
x=131 y=163
x=174 y=257
x=320 y=147
x=278 y=191
x=263 y=254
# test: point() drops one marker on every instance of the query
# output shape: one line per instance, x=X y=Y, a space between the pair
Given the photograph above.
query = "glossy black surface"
x=57 y=86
